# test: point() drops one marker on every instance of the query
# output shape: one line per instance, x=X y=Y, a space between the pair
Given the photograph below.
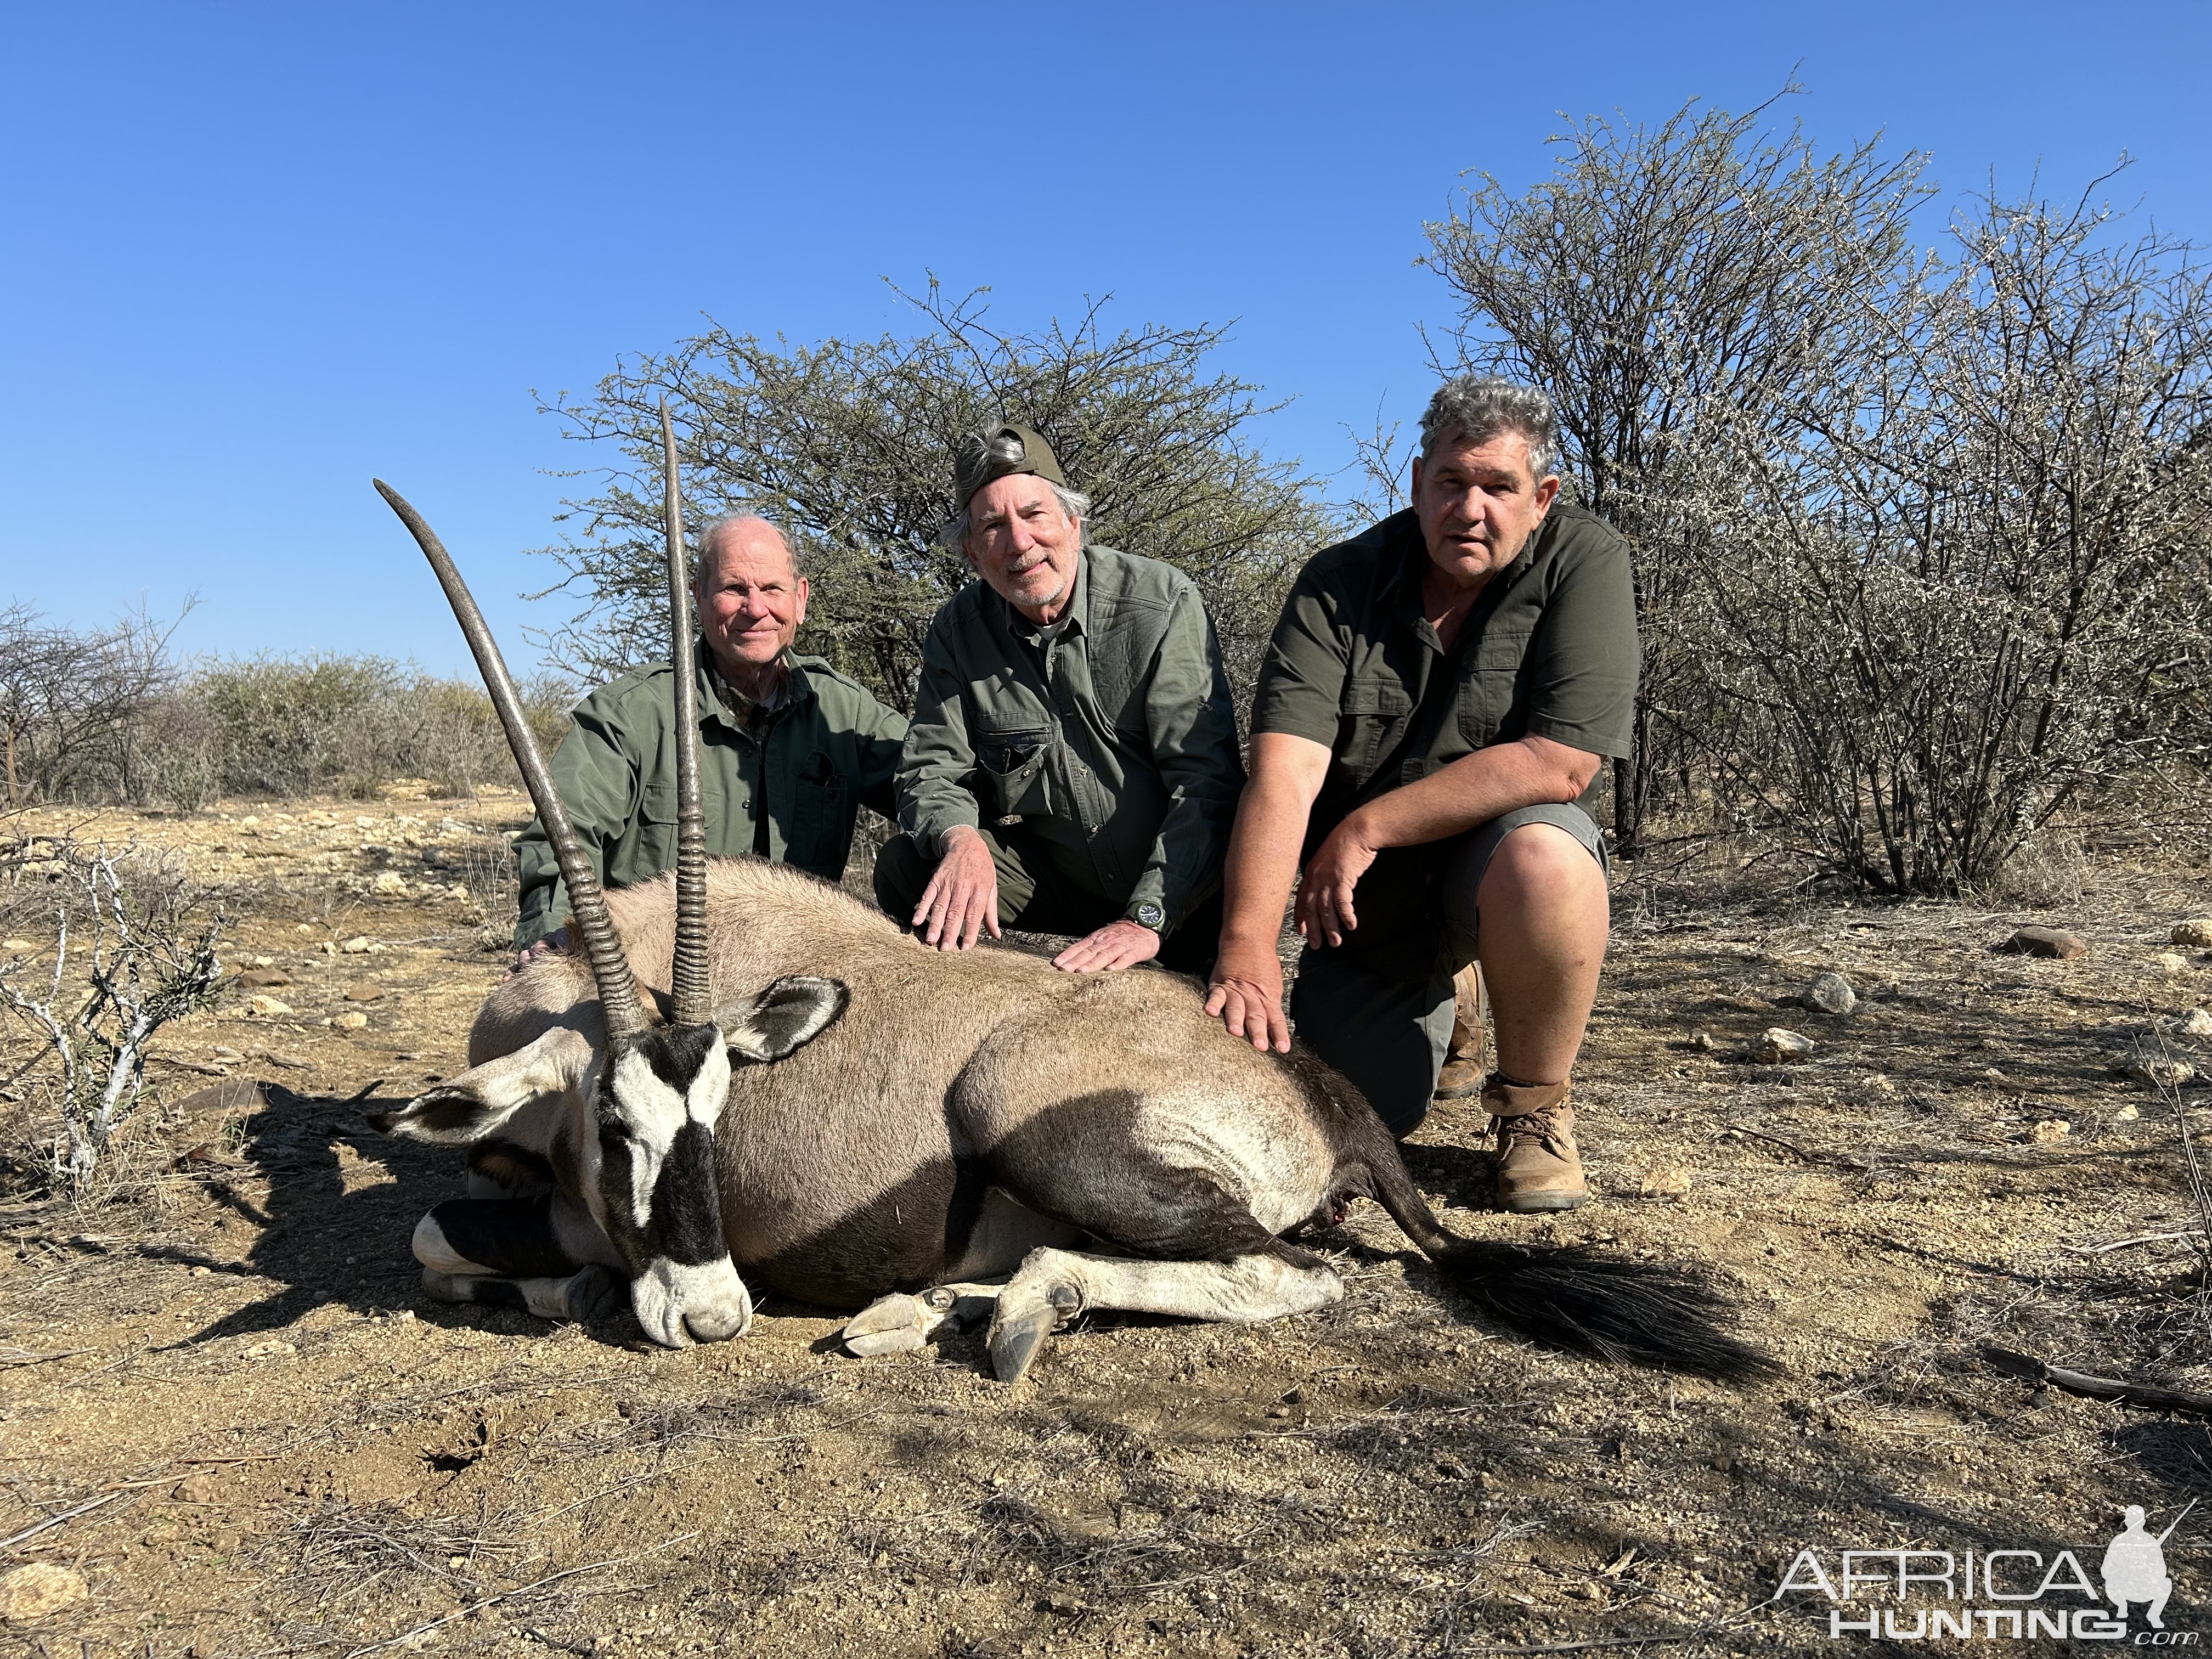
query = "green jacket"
x=831 y=747
x=1115 y=742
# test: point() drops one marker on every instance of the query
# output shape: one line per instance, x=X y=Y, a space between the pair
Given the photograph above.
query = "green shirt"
x=1112 y=737
x=1549 y=648
x=830 y=747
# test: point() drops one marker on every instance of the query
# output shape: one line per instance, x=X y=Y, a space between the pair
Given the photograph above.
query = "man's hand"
x=1121 y=944
x=553 y=943
x=961 y=898
x=1247 y=995
x=1325 y=913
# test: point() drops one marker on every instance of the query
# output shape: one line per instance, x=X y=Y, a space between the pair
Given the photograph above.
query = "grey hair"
x=714 y=528
x=1073 y=503
x=1478 y=407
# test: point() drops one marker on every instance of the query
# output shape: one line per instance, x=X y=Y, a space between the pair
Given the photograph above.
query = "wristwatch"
x=1149 y=915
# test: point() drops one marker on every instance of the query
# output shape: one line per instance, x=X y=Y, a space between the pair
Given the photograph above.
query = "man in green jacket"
x=1072 y=767
x=1429 y=727
x=789 y=747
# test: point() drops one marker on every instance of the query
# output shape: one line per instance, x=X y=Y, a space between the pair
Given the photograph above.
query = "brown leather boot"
x=1539 y=1166
x=1462 y=1072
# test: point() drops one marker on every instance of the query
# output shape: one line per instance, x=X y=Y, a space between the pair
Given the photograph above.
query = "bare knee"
x=1540 y=869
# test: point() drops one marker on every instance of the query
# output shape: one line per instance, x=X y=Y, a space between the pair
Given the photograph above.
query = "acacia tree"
x=1962 y=582
x=848 y=446
x=1656 y=273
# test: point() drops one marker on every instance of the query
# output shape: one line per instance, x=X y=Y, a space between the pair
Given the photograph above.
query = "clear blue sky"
x=252 y=254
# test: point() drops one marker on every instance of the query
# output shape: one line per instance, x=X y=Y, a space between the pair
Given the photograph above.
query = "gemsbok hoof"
x=890 y=1324
x=1017 y=1336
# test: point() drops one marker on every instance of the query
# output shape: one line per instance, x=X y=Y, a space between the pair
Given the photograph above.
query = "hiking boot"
x=1539 y=1166
x=1462 y=1074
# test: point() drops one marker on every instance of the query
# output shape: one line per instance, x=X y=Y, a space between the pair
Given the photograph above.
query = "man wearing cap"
x=1428 y=728
x=1072 y=764
x=789 y=747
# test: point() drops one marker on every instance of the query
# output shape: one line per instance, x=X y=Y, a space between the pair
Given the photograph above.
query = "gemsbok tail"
x=1572 y=1297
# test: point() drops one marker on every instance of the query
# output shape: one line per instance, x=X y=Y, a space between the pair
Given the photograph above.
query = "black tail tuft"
x=1624 y=1312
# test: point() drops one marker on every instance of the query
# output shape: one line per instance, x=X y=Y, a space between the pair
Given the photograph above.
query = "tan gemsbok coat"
x=817 y=1102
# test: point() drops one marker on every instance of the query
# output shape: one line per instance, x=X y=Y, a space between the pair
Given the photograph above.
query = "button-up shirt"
x=1110 y=734
x=1549 y=648
x=783 y=779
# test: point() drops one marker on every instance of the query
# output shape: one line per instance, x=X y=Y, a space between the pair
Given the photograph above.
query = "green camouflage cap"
x=977 y=464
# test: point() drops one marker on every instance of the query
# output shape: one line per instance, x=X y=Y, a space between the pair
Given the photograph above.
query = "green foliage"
x=848 y=446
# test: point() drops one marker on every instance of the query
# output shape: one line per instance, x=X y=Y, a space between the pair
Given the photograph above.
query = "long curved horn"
x=588 y=905
x=687 y=973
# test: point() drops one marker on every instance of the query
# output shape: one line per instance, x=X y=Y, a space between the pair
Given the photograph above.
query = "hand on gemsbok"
x=1247 y=996
x=1117 y=944
x=961 y=899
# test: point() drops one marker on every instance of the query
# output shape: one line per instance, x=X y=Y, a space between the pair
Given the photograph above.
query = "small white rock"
x=1778 y=1045
x=2127 y=1114
x=388 y=881
x=2199 y=1023
x=2172 y=961
x=357 y=946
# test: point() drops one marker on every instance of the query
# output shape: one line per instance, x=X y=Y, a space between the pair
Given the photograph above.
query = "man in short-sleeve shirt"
x=1428 y=729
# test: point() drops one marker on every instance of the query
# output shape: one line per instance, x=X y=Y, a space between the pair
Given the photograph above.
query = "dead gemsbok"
x=809 y=1099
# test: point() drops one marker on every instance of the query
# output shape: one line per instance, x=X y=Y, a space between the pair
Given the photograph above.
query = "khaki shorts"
x=1388 y=1032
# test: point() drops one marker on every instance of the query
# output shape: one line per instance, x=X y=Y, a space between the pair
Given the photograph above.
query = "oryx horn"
x=588 y=905
x=687 y=973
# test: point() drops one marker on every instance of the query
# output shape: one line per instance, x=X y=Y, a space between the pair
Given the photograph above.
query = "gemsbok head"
x=652 y=1087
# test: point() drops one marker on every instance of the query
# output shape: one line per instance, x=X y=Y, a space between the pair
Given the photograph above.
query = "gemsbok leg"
x=1054 y=1285
x=516 y=1253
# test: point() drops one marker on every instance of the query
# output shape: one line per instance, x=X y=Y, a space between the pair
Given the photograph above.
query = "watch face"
x=1150 y=914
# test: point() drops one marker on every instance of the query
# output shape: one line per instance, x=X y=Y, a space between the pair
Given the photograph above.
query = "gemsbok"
x=745 y=1076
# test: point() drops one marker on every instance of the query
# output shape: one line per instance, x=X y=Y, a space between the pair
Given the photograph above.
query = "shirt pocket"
x=1372 y=720
x=647 y=847
x=1489 y=690
x=1016 y=769
x=821 y=817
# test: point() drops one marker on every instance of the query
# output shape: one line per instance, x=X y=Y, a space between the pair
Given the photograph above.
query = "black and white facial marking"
x=659 y=1103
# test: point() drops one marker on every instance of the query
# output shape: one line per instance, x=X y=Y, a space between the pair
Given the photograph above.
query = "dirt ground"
x=226 y=1407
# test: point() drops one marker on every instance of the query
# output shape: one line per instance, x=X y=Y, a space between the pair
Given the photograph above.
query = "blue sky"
x=252 y=254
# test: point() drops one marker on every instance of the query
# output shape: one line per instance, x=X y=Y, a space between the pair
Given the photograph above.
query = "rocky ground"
x=230 y=1424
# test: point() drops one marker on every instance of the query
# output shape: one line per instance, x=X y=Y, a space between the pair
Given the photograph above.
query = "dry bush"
x=121 y=942
x=1958 y=584
x=75 y=706
x=1655 y=272
x=1924 y=540
x=301 y=725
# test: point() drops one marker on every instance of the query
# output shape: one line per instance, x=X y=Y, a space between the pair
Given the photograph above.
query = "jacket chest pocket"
x=1371 y=723
x=1016 y=769
x=821 y=813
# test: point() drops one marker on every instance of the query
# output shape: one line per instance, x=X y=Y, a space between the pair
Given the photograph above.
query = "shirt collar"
x=1077 y=616
x=732 y=706
x=1406 y=556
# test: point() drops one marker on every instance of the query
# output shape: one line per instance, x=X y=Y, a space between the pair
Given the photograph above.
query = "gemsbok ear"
x=787 y=1016
x=470 y=1106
